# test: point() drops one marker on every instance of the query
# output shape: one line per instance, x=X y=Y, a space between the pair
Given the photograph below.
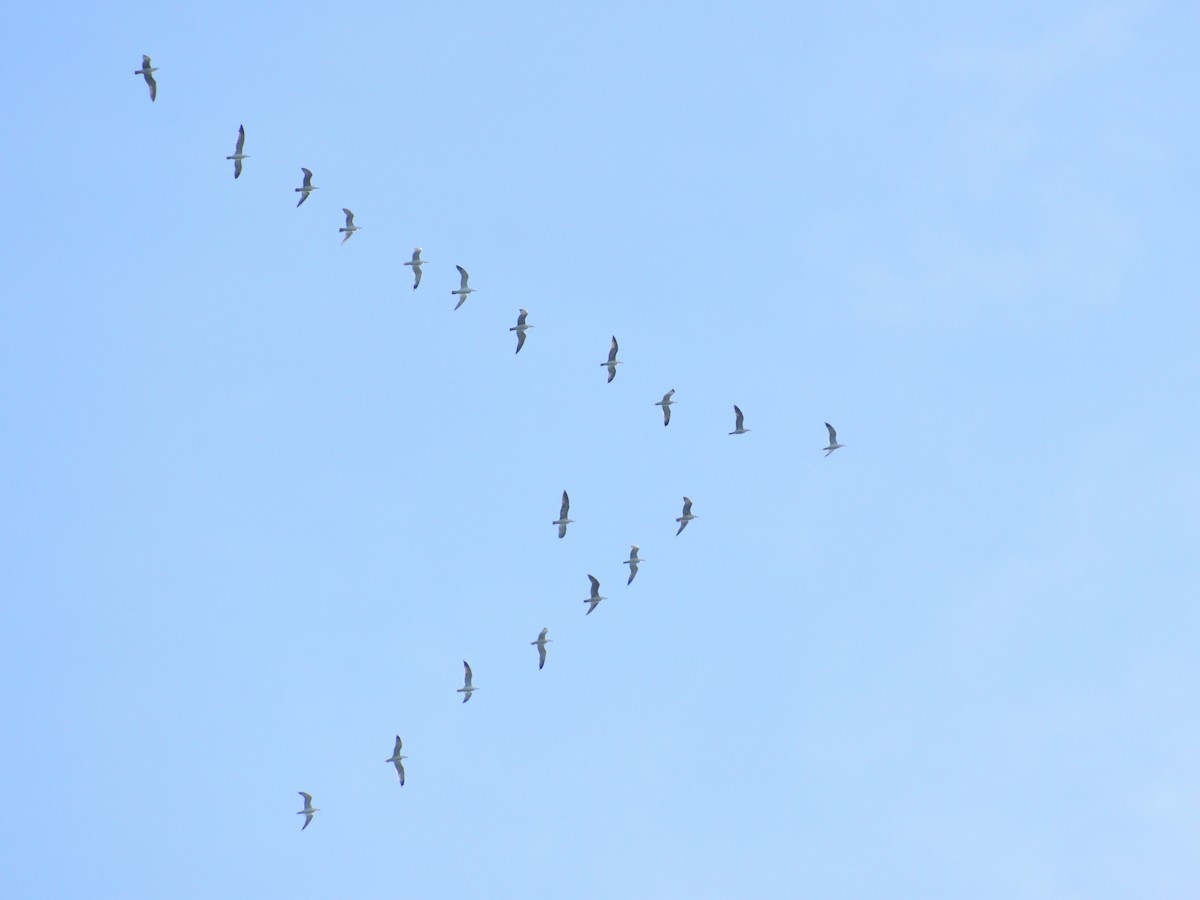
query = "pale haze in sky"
x=261 y=499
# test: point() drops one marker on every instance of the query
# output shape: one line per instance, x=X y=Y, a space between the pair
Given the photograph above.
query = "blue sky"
x=262 y=498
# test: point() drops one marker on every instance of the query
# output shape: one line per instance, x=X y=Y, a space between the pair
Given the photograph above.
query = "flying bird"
x=467 y=689
x=739 y=419
x=147 y=71
x=613 y=362
x=350 y=226
x=833 y=441
x=632 y=562
x=541 y=643
x=686 y=517
x=416 y=262
x=307 y=188
x=665 y=403
x=309 y=810
x=396 y=758
x=562 y=521
x=595 y=599
x=520 y=328
x=238 y=155
x=463 y=290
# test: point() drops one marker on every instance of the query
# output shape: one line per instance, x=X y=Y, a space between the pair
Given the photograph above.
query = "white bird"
x=665 y=403
x=613 y=362
x=686 y=517
x=350 y=226
x=309 y=810
x=595 y=599
x=632 y=562
x=396 y=758
x=467 y=689
x=541 y=643
x=307 y=188
x=238 y=155
x=147 y=71
x=463 y=290
x=833 y=441
x=737 y=427
x=416 y=262
x=562 y=521
x=520 y=328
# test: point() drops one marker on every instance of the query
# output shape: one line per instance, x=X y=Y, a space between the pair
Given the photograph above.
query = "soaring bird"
x=595 y=599
x=147 y=71
x=686 y=517
x=309 y=810
x=562 y=521
x=396 y=758
x=632 y=562
x=307 y=188
x=463 y=290
x=350 y=226
x=738 y=420
x=467 y=689
x=238 y=155
x=416 y=262
x=520 y=328
x=665 y=403
x=613 y=362
x=541 y=643
x=833 y=441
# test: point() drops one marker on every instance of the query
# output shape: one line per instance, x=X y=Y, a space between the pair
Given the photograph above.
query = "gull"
x=309 y=810
x=307 y=188
x=613 y=362
x=396 y=758
x=686 y=517
x=541 y=643
x=238 y=155
x=416 y=262
x=632 y=562
x=595 y=599
x=833 y=442
x=467 y=689
x=147 y=71
x=463 y=290
x=520 y=328
x=562 y=521
x=737 y=427
x=665 y=403
x=350 y=226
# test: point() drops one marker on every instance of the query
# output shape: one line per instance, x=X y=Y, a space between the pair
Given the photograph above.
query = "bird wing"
x=349 y=217
x=400 y=771
x=463 y=278
x=145 y=61
x=738 y=416
x=399 y=745
x=520 y=340
x=153 y=85
x=612 y=353
x=521 y=315
x=612 y=373
x=832 y=434
x=632 y=571
x=687 y=506
x=241 y=141
x=307 y=177
x=416 y=257
x=595 y=586
x=666 y=414
x=566 y=506
x=417 y=280
x=307 y=799
x=541 y=653
x=562 y=531
x=308 y=817
x=467 y=680
x=237 y=168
